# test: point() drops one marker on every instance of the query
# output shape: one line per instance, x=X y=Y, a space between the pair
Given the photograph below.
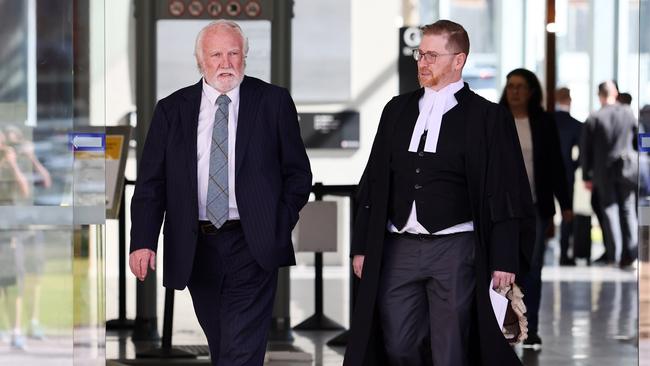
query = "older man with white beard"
x=226 y=170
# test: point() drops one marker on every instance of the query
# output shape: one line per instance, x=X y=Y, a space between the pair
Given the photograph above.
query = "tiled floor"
x=589 y=317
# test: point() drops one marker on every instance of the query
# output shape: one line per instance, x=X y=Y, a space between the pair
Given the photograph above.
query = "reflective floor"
x=588 y=317
x=587 y=322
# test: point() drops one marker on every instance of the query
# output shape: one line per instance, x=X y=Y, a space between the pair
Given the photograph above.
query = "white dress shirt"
x=526 y=142
x=432 y=105
x=204 y=142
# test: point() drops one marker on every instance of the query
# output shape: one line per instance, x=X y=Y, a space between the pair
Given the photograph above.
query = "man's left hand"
x=502 y=279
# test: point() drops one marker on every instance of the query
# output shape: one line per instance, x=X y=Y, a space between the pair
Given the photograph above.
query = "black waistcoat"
x=435 y=181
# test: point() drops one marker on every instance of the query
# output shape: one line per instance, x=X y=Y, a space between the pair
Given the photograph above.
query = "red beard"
x=428 y=81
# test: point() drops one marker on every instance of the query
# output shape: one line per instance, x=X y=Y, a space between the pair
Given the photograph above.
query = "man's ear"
x=459 y=61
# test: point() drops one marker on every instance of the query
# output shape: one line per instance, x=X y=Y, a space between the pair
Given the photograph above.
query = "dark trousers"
x=426 y=292
x=566 y=230
x=600 y=215
x=619 y=220
x=532 y=281
x=233 y=298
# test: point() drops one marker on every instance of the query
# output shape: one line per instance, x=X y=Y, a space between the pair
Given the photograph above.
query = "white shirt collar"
x=451 y=88
x=435 y=104
x=562 y=107
x=212 y=94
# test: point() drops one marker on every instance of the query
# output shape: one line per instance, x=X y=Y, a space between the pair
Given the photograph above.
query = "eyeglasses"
x=430 y=56
x=516 y=87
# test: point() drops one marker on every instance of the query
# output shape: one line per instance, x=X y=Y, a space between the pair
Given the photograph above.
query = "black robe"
x=502 y=213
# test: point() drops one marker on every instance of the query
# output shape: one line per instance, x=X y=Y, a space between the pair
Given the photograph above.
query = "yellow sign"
x=114 y=146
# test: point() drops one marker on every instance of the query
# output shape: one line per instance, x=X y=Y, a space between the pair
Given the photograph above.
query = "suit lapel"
x=190 y=120
x=248 y=105
x=405 y=122
x=460 y=109
x=412 y=111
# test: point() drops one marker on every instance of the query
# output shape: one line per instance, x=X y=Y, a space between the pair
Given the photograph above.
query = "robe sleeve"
x=559 y=176
x=362 y=216
x=363 y=194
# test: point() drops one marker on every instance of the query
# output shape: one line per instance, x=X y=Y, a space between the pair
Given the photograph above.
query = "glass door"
x=52 y=194
x=644 y=181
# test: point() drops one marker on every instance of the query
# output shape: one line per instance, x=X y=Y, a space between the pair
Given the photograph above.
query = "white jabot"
x=433 y=105
x=204 y=142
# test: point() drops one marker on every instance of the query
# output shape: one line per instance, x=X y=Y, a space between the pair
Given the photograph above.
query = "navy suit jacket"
x=569 y=130
x=272 y=178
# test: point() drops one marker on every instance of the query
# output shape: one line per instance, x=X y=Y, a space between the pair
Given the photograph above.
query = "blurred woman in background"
x=540 y=147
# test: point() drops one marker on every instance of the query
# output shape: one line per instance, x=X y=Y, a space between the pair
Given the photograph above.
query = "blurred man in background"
x=610 y=165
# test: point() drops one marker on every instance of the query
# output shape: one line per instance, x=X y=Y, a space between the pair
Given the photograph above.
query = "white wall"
x=374 y=81
x=120 y=59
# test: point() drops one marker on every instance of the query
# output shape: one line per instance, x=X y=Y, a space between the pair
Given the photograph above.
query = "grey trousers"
x=425 y=299
x=620 y=221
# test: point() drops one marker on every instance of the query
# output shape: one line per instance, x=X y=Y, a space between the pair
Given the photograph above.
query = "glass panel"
x=51 y=278
x=504 y=35
x=644 y=181
x=89 y=185
x=320 y=64
x=586 y=37
x=478 y=18
x=572 y=42
x=35 y=170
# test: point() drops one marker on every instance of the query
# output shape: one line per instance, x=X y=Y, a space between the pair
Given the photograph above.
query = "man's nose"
x=224 y=61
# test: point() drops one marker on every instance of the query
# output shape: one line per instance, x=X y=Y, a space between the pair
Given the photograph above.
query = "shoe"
x=35 y=331
x=626 y=263
x=566 y=261
x=533 y=342
x=603 y=260
x=18 y=342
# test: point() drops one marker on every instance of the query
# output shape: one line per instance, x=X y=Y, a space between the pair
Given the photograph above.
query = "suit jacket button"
x=417 y=186
x=417 y=170
x=421 y=154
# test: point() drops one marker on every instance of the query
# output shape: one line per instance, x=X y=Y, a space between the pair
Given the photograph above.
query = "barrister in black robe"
x=500 y=208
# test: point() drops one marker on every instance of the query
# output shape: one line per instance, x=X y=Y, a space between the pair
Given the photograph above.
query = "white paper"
x=499 y=305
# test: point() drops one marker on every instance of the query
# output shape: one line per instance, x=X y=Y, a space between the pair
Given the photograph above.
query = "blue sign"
x=87 y=141
x=644 y=142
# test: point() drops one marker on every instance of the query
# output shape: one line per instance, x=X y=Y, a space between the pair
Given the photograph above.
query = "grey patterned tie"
x=217 y=202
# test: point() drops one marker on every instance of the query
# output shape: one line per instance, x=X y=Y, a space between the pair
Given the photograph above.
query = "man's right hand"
x=357 y=265
x=140 y=260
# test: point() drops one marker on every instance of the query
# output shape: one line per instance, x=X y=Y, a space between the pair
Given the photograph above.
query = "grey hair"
x=198 y=51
